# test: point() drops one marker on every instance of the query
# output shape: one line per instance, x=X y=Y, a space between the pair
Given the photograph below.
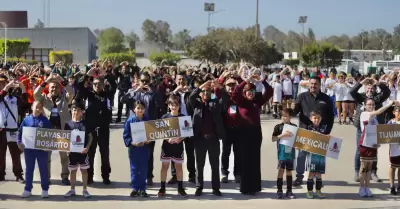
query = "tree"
x=39 y=24
x=396 y=39
x=234 y=44
x=97 y=32
x=157 y=32
x=165 y=57
x=273 y=34
x=310 y=35
x=181 y=39
x=131 y=38
x=111 y=40
x=321 y=54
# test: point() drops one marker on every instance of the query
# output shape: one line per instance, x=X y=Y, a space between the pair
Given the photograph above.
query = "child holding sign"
x=368 y=153
x=36 y=119
x=78 y=160
x=172 y=150
x=285 y=155
x=138 y=152
x=316 y=163
x=394 y=153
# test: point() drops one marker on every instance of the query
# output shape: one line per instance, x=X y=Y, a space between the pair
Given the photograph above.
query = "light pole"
x=5 y=41
x=302 y=22
x=257 y=26
x=210 y=8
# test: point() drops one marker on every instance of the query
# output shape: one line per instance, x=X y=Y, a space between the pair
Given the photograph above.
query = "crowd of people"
x=225 y=104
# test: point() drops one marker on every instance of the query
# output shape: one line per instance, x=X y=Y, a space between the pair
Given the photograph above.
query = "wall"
x=81 y=41
x=14 y=19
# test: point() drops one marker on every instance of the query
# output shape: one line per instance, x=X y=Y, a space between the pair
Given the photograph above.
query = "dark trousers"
x=250 y=159
x=202 y=145
x=15 y=156
x=233 y=135
x=151 y=160
x=101 y=137
x=190 y=159
x=121 y=105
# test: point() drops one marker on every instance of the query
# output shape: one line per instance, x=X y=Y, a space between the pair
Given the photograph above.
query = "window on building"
x=39 y=55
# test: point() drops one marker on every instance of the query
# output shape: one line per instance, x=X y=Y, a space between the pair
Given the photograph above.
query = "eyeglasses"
x=206 y=90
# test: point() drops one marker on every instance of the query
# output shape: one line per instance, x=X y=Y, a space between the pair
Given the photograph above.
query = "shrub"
x=22 y=60
x=117 y=58
x=15 y=47
x=168 y=58
x=291 y=62
x=61 y=56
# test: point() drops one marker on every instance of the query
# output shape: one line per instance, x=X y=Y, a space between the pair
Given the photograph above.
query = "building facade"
x=80 y=41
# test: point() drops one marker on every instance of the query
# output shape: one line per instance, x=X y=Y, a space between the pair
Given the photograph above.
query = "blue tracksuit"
x=31 y=155
x=138 y=157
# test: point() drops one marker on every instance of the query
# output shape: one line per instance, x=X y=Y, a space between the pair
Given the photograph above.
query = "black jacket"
x=306 y=102
x=379 y=98
x=216 y=108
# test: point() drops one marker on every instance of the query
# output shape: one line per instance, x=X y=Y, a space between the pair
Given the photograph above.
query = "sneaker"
x=375 y=177
x=199 y=191
x=143 y=193
x=356 y=177
x=298 y=182
x=173 y=180
x=362 y=192
x=310 y=195
x=65 y=181
x=224 y=179
x=86 y=194
x=161 y=192
x=319 y=195
x=70 y=193
x=182 y=192
x=279 y=195
x=20 y=179
x=393 y=191
x=134 y=193
x=368 y=192
x=237 y=179
x=26 y=194
x=45 y=194
x=290 y=195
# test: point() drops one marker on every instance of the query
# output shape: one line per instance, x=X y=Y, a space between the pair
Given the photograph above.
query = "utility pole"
x=257 y=25
x=302 y=22
x=48 y=13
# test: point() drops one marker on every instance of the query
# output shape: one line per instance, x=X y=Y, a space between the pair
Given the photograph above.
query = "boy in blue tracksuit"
x=138 y=152
x=36 y=119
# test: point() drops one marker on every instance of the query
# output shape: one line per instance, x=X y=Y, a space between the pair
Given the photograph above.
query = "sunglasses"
x=252 y=91
x=206 y=90
x=96 y=84
x=145 y=81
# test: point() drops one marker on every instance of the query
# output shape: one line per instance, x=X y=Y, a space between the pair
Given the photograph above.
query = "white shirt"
x=330 y=81
x=301 y=88
x=348 y=96
x=259 y=86
x=287 y=87
x=363 y=118
x=6 y=115
x=394 y=149
x=340 y=91
x=277 y=97
x=183 y=104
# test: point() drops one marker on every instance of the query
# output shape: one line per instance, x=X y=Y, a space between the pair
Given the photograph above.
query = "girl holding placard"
x=368 y=153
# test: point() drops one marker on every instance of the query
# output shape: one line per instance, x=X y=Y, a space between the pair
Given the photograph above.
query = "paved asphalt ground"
x=339 y=188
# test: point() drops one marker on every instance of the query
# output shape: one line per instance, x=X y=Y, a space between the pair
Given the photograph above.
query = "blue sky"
x=326 y=17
